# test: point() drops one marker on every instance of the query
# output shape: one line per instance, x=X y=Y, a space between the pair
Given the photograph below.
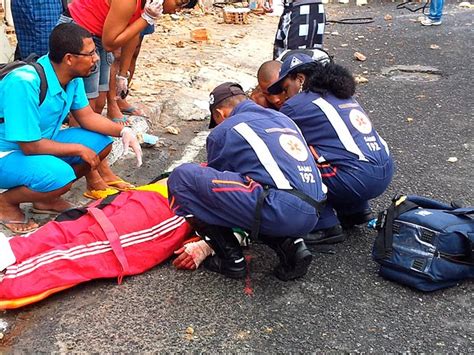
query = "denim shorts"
x=45 y=173
x=98 y=80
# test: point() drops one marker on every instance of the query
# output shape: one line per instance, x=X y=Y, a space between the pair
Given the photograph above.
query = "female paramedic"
x=353 y=159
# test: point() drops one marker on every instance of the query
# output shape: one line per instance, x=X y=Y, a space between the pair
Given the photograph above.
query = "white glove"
x=129 y=140
x=121 y=87
x=152 y=11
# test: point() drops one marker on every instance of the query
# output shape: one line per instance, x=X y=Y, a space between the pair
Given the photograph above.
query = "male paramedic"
x=260 y=176
x=39 y=161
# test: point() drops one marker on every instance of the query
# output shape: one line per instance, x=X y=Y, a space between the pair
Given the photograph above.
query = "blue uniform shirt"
x=24 y=119
x=266 y=146
x=337 y=130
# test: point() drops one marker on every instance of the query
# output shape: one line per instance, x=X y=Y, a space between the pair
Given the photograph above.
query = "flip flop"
x=98 y=194
x=122 y=120
x=129 y=111
x=25 y=221
x=113 y=184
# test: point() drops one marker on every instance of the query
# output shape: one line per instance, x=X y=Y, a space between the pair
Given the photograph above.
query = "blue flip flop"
x=130 y=110
x=122 y=119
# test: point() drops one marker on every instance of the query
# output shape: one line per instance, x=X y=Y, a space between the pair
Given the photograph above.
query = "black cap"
x=220 y=93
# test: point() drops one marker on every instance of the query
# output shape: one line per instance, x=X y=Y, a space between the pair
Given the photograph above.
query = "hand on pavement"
x=129 y=140
x=191 y=255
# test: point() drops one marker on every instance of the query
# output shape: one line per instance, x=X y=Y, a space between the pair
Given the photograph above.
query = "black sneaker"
x=331 y=235
x=350 y=220
x=295 y=259
x=233 y=268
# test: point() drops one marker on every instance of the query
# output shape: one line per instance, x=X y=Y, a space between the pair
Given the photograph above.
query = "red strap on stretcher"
x=113 y=237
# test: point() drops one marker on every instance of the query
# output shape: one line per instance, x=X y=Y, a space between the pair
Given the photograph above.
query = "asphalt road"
x=341 y=305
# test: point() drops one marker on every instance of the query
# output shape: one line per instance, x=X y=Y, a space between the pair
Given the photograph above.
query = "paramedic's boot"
x=294 y=256
x=331 y=235
x=228 y=259
x=351 y=220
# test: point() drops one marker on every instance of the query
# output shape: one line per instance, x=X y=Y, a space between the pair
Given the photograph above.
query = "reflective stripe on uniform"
x=340 y=127
x=264 y=155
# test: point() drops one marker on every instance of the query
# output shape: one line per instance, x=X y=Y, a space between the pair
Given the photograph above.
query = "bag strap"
x=113 y=237
x=384 y=242
x=64 y=2
x=75 y=213
x=43 y=81
x=462 y=211
x=160 y=177
x=318 y=205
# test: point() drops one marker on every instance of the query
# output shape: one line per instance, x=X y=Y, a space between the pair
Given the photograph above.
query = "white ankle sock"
x=7 y=257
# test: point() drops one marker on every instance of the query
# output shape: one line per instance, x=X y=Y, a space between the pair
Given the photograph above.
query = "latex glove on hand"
x=121 y=87
x=152 y=11
x=191 y=255
x=129 y=140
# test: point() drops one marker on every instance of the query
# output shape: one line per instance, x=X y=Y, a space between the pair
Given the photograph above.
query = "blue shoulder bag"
x=424 y=243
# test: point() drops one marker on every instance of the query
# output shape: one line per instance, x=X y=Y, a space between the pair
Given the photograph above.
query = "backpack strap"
x=75 y=213
x=384 y=242
x=465 y=211
x=43 y=81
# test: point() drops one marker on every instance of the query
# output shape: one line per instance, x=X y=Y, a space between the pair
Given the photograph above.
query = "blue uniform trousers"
x=351 y=188
x=229 y=199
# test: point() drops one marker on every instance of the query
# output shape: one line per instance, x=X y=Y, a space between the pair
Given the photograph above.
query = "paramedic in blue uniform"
x=39 y=160
x=353 y=159
x=252 y=153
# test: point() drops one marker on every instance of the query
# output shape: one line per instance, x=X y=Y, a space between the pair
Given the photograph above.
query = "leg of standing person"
x=34 y=21
x=300 y=26
x=436 y=12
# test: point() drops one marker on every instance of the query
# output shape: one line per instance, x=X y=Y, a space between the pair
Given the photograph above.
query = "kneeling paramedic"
x=260 y=177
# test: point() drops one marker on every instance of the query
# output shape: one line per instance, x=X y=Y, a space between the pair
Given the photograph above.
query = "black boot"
x=331 y=235
x=350 y=220
x=228 y=259
x=294 y=256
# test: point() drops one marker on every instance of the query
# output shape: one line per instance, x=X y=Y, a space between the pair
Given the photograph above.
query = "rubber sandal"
x=122 y=120
x=25 y=221
x=98 y=194
x=113 y=184
x=132 y=111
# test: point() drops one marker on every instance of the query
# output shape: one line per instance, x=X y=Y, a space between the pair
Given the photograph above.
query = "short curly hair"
x=330 y=77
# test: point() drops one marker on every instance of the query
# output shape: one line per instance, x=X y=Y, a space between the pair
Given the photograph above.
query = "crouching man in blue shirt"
x=39 y=161
x=260 y=177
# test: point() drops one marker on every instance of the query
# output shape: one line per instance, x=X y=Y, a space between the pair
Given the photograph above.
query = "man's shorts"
x=99 y=79
x=45 y=173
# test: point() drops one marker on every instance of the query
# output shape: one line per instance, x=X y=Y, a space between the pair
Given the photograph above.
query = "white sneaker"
x=429 y=22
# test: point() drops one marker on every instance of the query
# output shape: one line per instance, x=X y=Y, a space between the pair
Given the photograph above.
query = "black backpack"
x=30 y=60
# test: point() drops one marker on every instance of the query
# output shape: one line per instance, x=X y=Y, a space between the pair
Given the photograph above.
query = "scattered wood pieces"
x=172 y=130
x=359 y=56
x=359 y=79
